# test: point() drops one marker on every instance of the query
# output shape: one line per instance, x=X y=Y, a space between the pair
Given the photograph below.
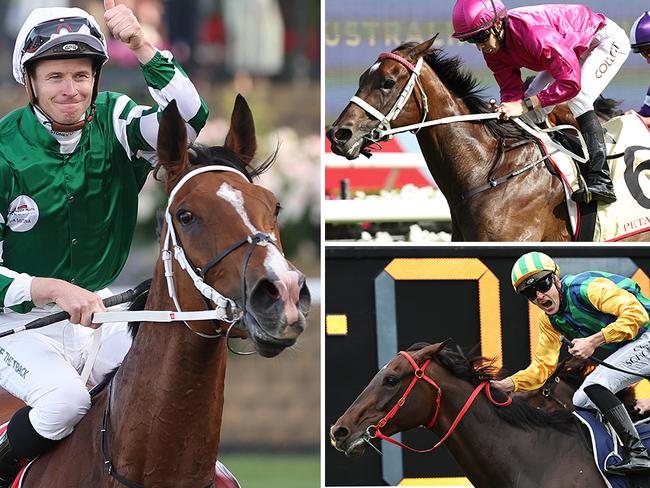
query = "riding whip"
x=603 y=363
x=111 y=301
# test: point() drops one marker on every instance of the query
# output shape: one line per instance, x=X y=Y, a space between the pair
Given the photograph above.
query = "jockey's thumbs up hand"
x=124 y=27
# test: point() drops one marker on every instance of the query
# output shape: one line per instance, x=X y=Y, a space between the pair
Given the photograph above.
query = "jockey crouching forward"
x=592 y=309
x=577 y=53
x=71 y=165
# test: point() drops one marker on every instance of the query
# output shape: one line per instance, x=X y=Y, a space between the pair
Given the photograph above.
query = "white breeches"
x=607 y=52
x=634 y=357
x=42 y=367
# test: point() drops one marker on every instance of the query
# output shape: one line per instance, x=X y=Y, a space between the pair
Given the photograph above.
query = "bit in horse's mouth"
x=356 y=448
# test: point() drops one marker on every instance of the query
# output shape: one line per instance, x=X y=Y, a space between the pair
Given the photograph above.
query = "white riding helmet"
x=58 y=32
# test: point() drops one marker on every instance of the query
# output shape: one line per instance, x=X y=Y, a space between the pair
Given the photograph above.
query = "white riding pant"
x=607 y=52
x=42 y=367
x=634 y=356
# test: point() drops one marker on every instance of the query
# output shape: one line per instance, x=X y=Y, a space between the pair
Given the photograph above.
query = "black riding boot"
x=635 y=455
x=599 y=182
x=18 y=444
x=9 y=463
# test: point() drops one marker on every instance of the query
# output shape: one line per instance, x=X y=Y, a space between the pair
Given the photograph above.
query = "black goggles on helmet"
x=44 y=31
x=542 y=285
x=478 y=38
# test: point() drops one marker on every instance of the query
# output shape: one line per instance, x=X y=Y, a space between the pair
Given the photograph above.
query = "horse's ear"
x=423 y=48
x=433 y=349
x=241 y=136
x=172 y=143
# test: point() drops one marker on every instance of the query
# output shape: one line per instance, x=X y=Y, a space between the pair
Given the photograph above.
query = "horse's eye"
x=388 y=84
x=278 y=207
x=185 y=217
x=391 y=381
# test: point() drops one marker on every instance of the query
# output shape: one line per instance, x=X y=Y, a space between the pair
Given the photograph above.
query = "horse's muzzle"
x=344 y=142
x=276 y=312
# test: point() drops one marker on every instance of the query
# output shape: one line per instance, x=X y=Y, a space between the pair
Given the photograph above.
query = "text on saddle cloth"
x=630 y=214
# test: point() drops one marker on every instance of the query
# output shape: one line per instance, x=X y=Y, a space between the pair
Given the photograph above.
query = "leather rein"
x=419 y=373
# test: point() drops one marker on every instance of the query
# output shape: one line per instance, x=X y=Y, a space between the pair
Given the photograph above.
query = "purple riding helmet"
x=473 y=16
x=640 y=33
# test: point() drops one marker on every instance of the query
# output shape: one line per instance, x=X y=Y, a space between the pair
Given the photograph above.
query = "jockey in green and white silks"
x=591 y=309
x=71 y=165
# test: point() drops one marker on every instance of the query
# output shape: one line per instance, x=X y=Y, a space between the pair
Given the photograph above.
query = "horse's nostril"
x=342 y=135
x=270 y=290
x=340 y=433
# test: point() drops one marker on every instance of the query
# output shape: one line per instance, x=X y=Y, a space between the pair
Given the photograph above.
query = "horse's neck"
x=167 y=399
x=459 y=155
x=484 y=444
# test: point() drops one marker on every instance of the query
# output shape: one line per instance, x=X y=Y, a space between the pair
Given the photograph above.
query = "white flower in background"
x=295 y=176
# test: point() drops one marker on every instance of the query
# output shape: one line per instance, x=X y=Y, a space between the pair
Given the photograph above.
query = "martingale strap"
x=419 y=374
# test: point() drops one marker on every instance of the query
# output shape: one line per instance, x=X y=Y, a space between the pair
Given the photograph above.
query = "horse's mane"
x=476 y=369
x=205 y=155
x=462 y=83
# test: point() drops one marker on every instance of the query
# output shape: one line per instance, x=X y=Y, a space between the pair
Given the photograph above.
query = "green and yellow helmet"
x=531 y=267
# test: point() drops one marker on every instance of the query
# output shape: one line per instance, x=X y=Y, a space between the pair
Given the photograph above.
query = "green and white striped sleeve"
x=136 y=126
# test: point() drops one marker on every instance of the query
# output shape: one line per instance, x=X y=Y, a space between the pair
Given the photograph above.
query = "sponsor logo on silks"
x=23 y=214
x=70 y=47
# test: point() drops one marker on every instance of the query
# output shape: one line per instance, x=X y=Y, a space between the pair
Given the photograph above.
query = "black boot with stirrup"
x=636 y=459
x=9 y=463
x=599 y=182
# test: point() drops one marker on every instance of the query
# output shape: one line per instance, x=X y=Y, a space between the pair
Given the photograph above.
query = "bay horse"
x=158 y=422
x=492 y=173
x=497 y=443
x=557 y=392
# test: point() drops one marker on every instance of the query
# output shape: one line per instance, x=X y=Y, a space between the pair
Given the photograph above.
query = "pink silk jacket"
x=544 y=38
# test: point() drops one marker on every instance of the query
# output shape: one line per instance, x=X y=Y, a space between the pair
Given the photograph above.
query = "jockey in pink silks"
x=577 y=53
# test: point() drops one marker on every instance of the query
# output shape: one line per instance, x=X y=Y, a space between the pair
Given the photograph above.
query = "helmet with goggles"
x=640 y=33
x=473 y=18
x=58 y=33
x=531 y=268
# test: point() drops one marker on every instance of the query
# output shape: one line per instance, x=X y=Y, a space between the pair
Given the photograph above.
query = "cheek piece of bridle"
x=374 y=431
x=385 y=120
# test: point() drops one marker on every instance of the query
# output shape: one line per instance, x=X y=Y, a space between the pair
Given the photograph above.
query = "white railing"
x=407 y=205
x=385 y=210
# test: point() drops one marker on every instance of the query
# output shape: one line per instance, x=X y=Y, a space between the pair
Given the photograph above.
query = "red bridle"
x=419 y=373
